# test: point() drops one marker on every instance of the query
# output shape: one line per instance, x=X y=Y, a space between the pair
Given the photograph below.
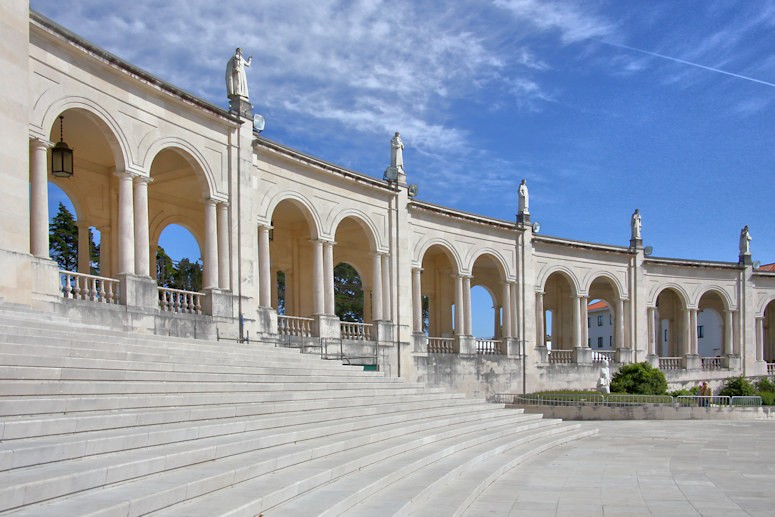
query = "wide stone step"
x=10 y=406
x=264 y=494
x=258 y=452
x=462 y=486
x=14 y=428
x=33 y=451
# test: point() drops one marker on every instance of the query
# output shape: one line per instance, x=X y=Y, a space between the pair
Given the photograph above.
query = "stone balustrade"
x=561 y=357
x=711 y=363
x=80 y=286
x=356 y=331
x=294 y=326
x=441 y=345
x=670 y=363
x=179 y=301
x=489 y=347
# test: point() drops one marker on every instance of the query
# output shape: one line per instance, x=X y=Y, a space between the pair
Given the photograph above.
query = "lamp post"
x=61 y=156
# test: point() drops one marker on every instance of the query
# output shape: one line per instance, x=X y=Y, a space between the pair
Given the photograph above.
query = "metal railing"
x=179 y=301
x=356 y=331
x=561 y=357
x=294 y=326
x=670 y=363
x=333 y=349
x=80 y=286
x=441 y=345
x=489 y=347
x=623 y=399
x=711 y=363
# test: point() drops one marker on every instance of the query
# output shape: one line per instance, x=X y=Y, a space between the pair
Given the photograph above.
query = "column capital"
x=262 y=226
x=511 y=282
x=223 y=204
x=121 y=174
x=139 y=179
x=417 y=269
x=38 y=142
x=82 y=224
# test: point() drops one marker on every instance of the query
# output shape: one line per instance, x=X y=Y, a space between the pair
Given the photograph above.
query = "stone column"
x=84 y=262
x=651 y=321
x=467 y=305
x=516 y=313
x=728 y=347
x=584 y=319
x=693 y=332
x=106 y=268
x=264 y=268
x=620 y=323
x=210 y=280
x=459 y=325
x=417 y=300
x=540 y=331
x=506 y=323
x=317 y=277
x=39 y=198
x=376 y=297
x=759 y=339
x=224 y=262
x=126 y=224
x=328 y=275
x=142 y=241
x=576 y=321
x=387 y=307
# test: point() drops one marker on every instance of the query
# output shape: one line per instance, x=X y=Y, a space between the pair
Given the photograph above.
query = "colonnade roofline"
x=39 y=21
x=667 y=261
x=466 y=216
x=322 y=164
x=546 y=239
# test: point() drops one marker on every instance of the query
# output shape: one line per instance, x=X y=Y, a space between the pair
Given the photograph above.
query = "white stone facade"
x=149 y=155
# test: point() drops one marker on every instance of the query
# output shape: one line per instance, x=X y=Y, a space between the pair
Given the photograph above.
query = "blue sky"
x=603 y=106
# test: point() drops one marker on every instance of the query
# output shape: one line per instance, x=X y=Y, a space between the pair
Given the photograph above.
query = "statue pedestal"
x=523 y=218
x=636 y=244
x=745 y=259
x=241 y=106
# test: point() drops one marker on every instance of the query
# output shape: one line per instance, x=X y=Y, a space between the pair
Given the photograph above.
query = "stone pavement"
x=661 y=468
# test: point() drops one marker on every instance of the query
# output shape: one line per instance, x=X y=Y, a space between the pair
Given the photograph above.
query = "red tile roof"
x=597 y=306
x=767 y=267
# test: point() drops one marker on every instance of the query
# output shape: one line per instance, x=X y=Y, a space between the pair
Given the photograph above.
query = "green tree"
x=63 y=242
x=640 y=379
x=189 y=275
x=737 y=387
x=281 y=293
x=165 y=269
x=348 y=293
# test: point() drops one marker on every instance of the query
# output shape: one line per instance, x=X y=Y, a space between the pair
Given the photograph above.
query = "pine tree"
x=348 y=293
x=63 y=239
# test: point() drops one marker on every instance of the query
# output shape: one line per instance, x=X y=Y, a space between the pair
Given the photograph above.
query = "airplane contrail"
x=687 y=63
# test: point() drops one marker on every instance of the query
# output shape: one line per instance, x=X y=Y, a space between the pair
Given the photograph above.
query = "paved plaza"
x=645 y=468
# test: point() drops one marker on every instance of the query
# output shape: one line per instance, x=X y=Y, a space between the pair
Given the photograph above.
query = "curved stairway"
x=95 y=421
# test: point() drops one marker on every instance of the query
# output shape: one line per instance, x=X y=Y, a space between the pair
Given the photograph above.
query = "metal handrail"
x=624 y=399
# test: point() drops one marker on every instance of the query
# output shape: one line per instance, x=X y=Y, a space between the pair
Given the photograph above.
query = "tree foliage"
x=737 y=387
x=63 y=242
x=183 y=274
x=348 y=293
x=640 y=379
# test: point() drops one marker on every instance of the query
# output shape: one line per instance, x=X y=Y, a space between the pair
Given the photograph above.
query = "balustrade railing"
x=489 y=347
x=670 y=363
x=770 y=368
x=356 y=331
x=561 y=357
x=441 y=345
x=294 y=326
x=602 y=356
x=711 y=363
x=179 y=301
x=80 y=286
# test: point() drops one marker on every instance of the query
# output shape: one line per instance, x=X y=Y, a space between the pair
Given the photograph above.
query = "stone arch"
x=159 y=224
x=679 y=290
x=495 y=255
x=764 y=302
x=714 y=289
x=102 y=118
x=366 y=224
x=567 y=273
x=619 y=290
x=422 y=248
x=304 y=205
x=193 y=156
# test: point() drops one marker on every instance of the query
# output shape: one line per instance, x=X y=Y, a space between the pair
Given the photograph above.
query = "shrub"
x=768 y=398
x=765 y=384
x=737 y=387
x=639 y=379
x=693 y=391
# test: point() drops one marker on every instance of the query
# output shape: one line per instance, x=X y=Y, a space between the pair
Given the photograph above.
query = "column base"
x=731 y=362
x=45 y=278
x=382 y=331
x=542 y=354
x=218 y=303
x=327 y=326
x=623 y=355
x=582 y=355
x=466 y=345
x=511 y=347
x=692 y=362
x=138 y=291
x=653 y=360
x=419 y=342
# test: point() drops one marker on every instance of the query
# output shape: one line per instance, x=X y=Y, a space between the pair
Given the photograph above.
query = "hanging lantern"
x=61 y=156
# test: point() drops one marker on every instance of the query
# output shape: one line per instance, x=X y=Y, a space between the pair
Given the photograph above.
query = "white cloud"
x=569 y=18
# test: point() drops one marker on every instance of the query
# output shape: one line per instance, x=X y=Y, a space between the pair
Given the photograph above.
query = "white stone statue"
x=524 y=199
x=635 y=225
x=604 y=382
x=745 y=241
x=397 y=152
x=236 y=76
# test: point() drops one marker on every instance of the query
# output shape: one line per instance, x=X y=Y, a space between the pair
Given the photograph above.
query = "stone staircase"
x=95 y=421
